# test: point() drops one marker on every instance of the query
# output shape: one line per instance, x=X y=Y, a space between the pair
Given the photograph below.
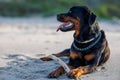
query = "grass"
x=52 y=7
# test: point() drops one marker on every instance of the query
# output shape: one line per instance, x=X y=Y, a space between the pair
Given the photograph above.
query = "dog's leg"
x=58 y=72
x=76 y=73
x=66 y=52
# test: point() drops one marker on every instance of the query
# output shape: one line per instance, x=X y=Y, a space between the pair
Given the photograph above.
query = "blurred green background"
x=102 y=8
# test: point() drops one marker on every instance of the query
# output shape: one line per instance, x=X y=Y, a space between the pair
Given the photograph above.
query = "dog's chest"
x=82 y=56
x=74 y=55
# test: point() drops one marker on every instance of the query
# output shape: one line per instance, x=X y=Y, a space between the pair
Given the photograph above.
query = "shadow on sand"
x=21 y=67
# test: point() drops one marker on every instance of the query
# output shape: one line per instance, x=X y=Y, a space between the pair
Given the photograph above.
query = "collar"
x=90 y=46
x=87 y=41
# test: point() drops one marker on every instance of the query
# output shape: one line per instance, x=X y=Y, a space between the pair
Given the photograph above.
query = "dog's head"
x=77 y=18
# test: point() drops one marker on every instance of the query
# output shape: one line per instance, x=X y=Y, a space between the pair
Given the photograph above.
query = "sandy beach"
x=24 y=40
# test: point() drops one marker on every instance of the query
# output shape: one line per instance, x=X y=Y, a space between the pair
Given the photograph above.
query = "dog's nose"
x=58 y=16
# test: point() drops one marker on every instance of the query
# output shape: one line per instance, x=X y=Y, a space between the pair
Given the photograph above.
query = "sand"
x=24 y=40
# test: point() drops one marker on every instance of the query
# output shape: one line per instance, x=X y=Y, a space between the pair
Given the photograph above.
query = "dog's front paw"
x=75 y=73
x=46 y=59
x=56 y=73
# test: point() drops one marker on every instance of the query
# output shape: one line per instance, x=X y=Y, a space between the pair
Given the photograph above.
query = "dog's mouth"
x=66 y=26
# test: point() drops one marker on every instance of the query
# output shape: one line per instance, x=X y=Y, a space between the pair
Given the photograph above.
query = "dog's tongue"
x=64 y=25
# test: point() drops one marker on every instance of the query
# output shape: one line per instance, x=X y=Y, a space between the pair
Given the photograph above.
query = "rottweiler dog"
x=89 y=49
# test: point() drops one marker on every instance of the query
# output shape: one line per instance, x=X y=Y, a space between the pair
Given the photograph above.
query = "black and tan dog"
x=89 y=49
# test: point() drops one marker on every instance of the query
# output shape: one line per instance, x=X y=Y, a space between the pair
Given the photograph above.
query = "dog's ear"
x=91 y=19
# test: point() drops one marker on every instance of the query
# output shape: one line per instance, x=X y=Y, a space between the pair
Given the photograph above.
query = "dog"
x=89 y=49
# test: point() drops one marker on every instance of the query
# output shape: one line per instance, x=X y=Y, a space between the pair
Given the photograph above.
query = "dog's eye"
x=69 y=14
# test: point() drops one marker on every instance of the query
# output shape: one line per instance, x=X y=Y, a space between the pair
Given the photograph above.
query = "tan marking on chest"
x=89 y=57
x=75 y=55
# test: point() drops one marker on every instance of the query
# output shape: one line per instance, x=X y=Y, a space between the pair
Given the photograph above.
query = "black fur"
x=87 y=29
